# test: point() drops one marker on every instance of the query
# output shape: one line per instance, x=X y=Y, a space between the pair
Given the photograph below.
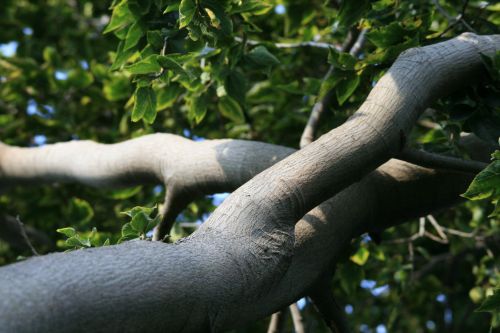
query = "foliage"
x=216 y=69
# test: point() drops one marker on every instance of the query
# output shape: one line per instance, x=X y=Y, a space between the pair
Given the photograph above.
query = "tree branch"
x=278 y=321
x=314 y=44
x=312 y=123
x=437 y=161
x=250 y=258
x=19 y=236
x=298 y=319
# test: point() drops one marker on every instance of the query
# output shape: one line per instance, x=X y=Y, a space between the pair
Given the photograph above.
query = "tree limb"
x=247 y=259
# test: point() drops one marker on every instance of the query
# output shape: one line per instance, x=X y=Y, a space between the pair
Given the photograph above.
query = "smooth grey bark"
x=146 y=287
x=156 y=158
x=245 y=261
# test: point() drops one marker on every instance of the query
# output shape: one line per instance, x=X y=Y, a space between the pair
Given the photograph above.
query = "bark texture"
x=251 y=258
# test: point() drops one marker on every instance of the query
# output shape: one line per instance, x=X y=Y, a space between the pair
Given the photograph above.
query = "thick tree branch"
x=156 y=158
x=245 y=261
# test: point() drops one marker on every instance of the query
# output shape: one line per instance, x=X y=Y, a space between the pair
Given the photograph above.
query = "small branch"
x=437 y=161
x=332 y=313
x=318 y=108
x=22 y=230
x=358 y=45
x=437 y=227
x=12 y=233
x=452 y=21
x=320 y=45
x=298 y=319
x=278 y=321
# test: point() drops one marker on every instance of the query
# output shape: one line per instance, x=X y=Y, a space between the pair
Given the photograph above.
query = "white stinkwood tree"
x=275 y=239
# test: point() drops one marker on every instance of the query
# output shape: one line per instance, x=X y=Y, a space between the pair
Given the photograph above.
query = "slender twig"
x=437 y=227
x=459 y=233
x=298 y=319
x=358 y=45
x=22 y=230
x=320 y=45
x=453 y=20
x=278 y=321
x=332 y=313
x=437 y=161
x=442 y=232
x=319 y=107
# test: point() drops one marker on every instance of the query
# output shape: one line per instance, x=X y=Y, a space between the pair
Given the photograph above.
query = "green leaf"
x=261 y=56
x=485 y=184
x=388 y=35
x=171 y=63
x=229 y=108
x=225 y=22
x=198 y=108
x=254 y=7
x=167 y=96
x=68 y=232
x=236 y=86
x=51 y=57
x=187 y=9
x=155 y=39
x=79 y=78
x=153 y=222
x=134 y=34
x=139 y=222
x=117 y=88
x=78 y=241
x=491 y=303
x=341 y=60
x=145 y=66
x=138 y=209
x=171 y=8
x=125 y=193
x=128 y=232
x=328 y=84
x=80 y=211
x=351 y=11
x=139 y=8
x=145 y=105
x=121 y=56
x=346 y=87
x=121 y=16
x=361 y=256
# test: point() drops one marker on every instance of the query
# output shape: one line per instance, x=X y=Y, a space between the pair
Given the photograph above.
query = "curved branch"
x=249 y=258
